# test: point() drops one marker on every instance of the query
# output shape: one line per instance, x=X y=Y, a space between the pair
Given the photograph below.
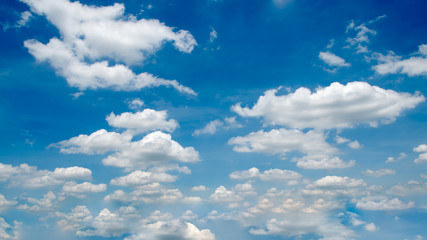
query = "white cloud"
x=222 y=195
x=213 y=126
x=72 y=173
x=5 y=204
x=152 y=193
x=333 y=60
x=360 y=41
x=47 y=203
x=371 y=227
x=410 y=188
x=355 y=145
x=98 y=142
x=91 y=34
x=30 y=177
x=382 y=203
x=86 y=187
x=267 y=175
x=422 y=149
x=8 y=232
x=135 y=103
x=319 y=154
x=200 y=188
x=338 y=182
x=335 y=106
x=392 y=64
x=173 y=229
x=379 y=173
x=298 y=226
x=147 y=120
x=213 y=35
x=141 y=177
x=154 y=148
x=393 y=159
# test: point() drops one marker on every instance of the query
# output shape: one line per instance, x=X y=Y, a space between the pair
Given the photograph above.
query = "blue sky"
x=204 y=119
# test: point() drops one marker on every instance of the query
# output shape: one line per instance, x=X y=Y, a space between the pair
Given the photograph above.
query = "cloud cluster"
x=336 y=106
x=156 y=148
x=90 y=34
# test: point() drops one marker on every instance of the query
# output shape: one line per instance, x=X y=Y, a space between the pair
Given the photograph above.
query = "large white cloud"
x=96 y=33
x=147 y=120
x=319 y=154
x=335 y=106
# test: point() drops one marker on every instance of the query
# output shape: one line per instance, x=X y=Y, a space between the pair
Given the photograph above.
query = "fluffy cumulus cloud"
x=86 y=187
x=392 y=63
x=154 y=148
x=422 y=149
x=142 y=177
x=335 y=106
x=146 y=120
x=338 y=182
x=319 y=154
x=30 y=177
x=333 y=60
x=91 y=34
x=173 y=229
x=98 y=142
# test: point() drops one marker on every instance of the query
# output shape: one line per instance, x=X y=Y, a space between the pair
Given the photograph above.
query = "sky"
x=213 y=119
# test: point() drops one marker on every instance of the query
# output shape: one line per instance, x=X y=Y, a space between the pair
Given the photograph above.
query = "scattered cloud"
x=422 y=149
x=372 y=203
x=213 y=126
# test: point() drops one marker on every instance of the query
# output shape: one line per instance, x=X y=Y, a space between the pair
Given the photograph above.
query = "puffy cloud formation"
x=392 y=64
x=383 y=203
x=30 y=177
x=267 y=175
x=319 y=154
x=152 y=193
x=147 y=120
x=422 y=149
x=335 y=106
x=46 y=204
x=173 y=229
x=86 y=187
x=91 y=34
x=5 y=204
x=141 y=177
x=154 y=148
x=98 y=142
x=338 y=182
x=333 y=60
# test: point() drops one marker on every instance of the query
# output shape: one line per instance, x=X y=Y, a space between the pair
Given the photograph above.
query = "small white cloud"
x=422 y=149
x=213 y=35
x=371 y=227
x=213 y=126
x=333 y=60
x=86 y=187
x=200 y=188
x=144 y=121
x=141 y=177
x=268 y=175
x=355 y=144
x=379 y=172
x=135 y=103
x=393 y=159
x=338 y=182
